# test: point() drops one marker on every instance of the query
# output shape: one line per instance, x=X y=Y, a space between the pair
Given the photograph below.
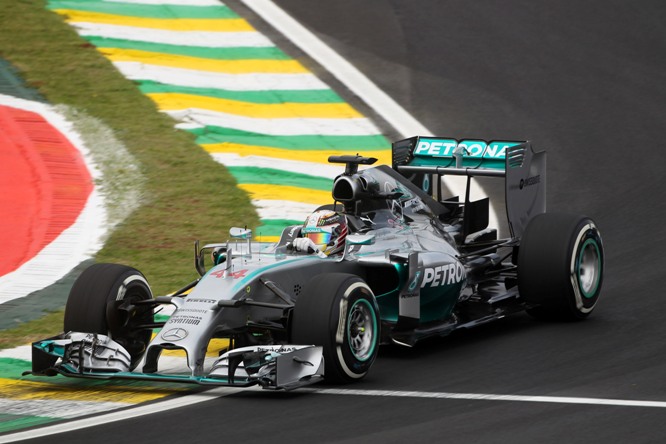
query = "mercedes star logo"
x=175 y=334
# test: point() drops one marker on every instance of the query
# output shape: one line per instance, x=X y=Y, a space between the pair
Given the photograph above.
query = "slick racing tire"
x=560 y=266
x=338 y=312
x=101 y=301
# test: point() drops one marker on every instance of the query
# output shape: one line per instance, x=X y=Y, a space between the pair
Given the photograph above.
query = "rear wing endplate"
x=524 y=170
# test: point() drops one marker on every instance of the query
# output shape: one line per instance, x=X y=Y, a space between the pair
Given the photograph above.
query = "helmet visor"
x=319 y=238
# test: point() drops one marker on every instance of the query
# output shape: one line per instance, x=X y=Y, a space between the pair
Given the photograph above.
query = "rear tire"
x=338 y=312
x=560 y=266
x=96 y=301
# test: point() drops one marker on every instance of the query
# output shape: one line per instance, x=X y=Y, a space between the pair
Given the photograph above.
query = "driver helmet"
x=326 y=229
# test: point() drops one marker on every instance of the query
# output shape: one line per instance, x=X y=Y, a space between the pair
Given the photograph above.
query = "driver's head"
x=327 y=229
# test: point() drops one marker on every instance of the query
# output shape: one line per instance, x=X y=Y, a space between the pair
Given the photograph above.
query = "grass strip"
x=146 y=11
x=186 y=194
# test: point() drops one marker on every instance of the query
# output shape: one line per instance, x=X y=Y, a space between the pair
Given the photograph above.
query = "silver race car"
x=408 y=264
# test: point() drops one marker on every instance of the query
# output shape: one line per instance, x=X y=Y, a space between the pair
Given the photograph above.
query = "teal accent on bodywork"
x=478 y=153
x=388 y=306
x=415 y=281
x=426 y=183
x=202 y=380
x=388 y=303
x=243 y=282
x=51 y=348
x=437 y=303
x=360 y=239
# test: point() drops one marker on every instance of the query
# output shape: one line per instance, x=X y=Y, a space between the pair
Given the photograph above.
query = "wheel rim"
x=361 y=329
x=589 y=268
x=129 y=335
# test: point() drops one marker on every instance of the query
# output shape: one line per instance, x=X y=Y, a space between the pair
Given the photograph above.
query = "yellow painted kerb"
x=208 y=25
x=282 y=192
x=178 y=101
x=203 y=64
x=29 y=390
x=314 y=155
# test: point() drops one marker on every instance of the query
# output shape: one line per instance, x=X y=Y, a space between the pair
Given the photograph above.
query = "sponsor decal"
x=238 y=274
x=415 y=281
x=175 y=334
x=192 y=310
x=322 y=218
x=234 y=275
x=530 y=181
x=426 y=183
x=280 y=349
x=447 y=274
x=201 y=301
x=471 y=148
x=187 y=320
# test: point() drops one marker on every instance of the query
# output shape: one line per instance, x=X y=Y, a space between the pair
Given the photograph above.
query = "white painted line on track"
x=207 y=79
x=339 y=67
x=220 y=392
x=295 y=126
x=359 y=84
x=491 y=397
x=326 y=170
x=148 y=409
x=209 y=39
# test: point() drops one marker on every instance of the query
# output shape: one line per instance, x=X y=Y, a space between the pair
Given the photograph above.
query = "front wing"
x=90 y=355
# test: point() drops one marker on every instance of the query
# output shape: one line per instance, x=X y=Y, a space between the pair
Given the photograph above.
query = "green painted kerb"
x=146 y=11
x=274 y=227
x=270 y=176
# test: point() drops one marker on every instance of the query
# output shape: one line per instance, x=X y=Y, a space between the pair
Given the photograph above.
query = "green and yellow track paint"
x=249 y=104
x=27 y=402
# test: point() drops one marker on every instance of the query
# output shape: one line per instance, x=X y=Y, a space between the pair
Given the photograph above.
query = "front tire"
x=560 y=266
x=338 y=312
x=101 y=301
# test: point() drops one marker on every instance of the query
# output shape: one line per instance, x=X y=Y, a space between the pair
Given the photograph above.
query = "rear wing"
x=425 y=160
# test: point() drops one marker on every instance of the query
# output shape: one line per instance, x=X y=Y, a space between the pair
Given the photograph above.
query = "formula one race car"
x=412 y=265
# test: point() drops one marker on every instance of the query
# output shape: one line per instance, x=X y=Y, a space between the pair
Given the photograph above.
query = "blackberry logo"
x=530 y=181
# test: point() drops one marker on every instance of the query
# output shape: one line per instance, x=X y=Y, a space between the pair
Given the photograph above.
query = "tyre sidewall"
x=321 y=317
x=549 y=262
x=92 y=303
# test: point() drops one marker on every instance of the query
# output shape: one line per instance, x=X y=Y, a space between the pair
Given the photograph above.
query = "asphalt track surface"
x=587 y=82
